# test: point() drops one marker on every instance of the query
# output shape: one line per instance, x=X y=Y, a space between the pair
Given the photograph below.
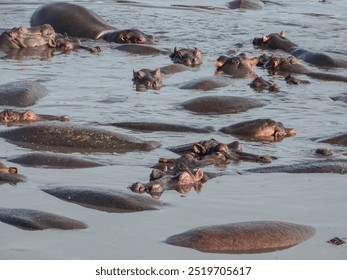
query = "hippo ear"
x=157 y=73
x=282 y=33
x=197 y=53
x=174 y=53
x=199 y=174
x=265 y=38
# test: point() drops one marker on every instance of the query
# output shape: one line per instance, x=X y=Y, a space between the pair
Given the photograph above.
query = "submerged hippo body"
x=108 y=200
x=221 y=104
x=29 y=219
x=340 y=139
x=338 y=166
x=278 y=41
x=21 y=93
x=260 y=129
x=44 y=160
x=154 y=126
x=23 y=38
x=69 y=139
x=243 y=237
x=77 y=21
x=246 y=4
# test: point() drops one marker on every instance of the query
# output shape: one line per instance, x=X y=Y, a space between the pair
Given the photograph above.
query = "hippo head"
x=129 y=36
x=147 y=79
x=236 y=66
x=8 y=116
x=273 y=41
x=5 y=169
x=289 y=65
x=22 y=37
x=188 y=57
x=274 y=130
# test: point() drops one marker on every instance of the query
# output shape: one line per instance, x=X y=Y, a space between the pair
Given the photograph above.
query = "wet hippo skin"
x=221 y=104
x=43 y=160
x=77 y=21
x=338 y=166
x=29 y=219
x=243 y=237
x=21 y=93
x=107 y=200
x=69 y=139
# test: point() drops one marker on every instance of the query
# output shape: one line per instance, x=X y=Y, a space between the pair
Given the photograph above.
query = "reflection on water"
x=97 y=88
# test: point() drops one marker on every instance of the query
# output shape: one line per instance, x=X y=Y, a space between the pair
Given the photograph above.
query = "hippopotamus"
x=207 y=83
x=10 y=116
x=70 y=139
x=108 y=200
x=44 y=160
x=338 y=166
x=30 y=219
x=21 y=93
x=238 y=66
x=207 y=152
x=147 y=79
x=324 y=152
x=181 y=182
x=155 y=126
x=221 y=104
x=290 y=65
x=187 y=57
x=243 y=237
x=10 y=175
x=259 y=129
x=342 y=98
x=78 y=21
x=292 y=80
x=22 y=37
x=246 y=4
x=280 y=42
x=340 y=139
x=259 y=84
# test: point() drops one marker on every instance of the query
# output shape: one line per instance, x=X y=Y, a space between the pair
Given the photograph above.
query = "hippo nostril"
x=52 y=43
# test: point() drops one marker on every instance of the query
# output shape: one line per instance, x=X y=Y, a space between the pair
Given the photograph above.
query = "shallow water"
x=95 y=89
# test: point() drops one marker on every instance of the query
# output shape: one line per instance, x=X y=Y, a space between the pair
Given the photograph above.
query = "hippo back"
x=71 y=19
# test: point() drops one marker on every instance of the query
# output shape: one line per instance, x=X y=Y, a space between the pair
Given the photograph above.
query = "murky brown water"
x=94 y=89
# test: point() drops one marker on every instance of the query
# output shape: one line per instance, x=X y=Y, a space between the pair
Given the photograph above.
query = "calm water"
x=95 y=89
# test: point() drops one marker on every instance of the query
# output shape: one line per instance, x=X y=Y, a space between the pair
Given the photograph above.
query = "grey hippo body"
x=338 y=166
x=340 y=139
x=21 y=93
x=29 y=219
x=221 y=104
x=69 y=139
x=78 y=21
x=107 y=200
x=243 y=237
x=156 y=126
x=44 y=160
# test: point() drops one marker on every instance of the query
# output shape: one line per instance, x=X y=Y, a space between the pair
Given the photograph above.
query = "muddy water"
x=96 y=89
